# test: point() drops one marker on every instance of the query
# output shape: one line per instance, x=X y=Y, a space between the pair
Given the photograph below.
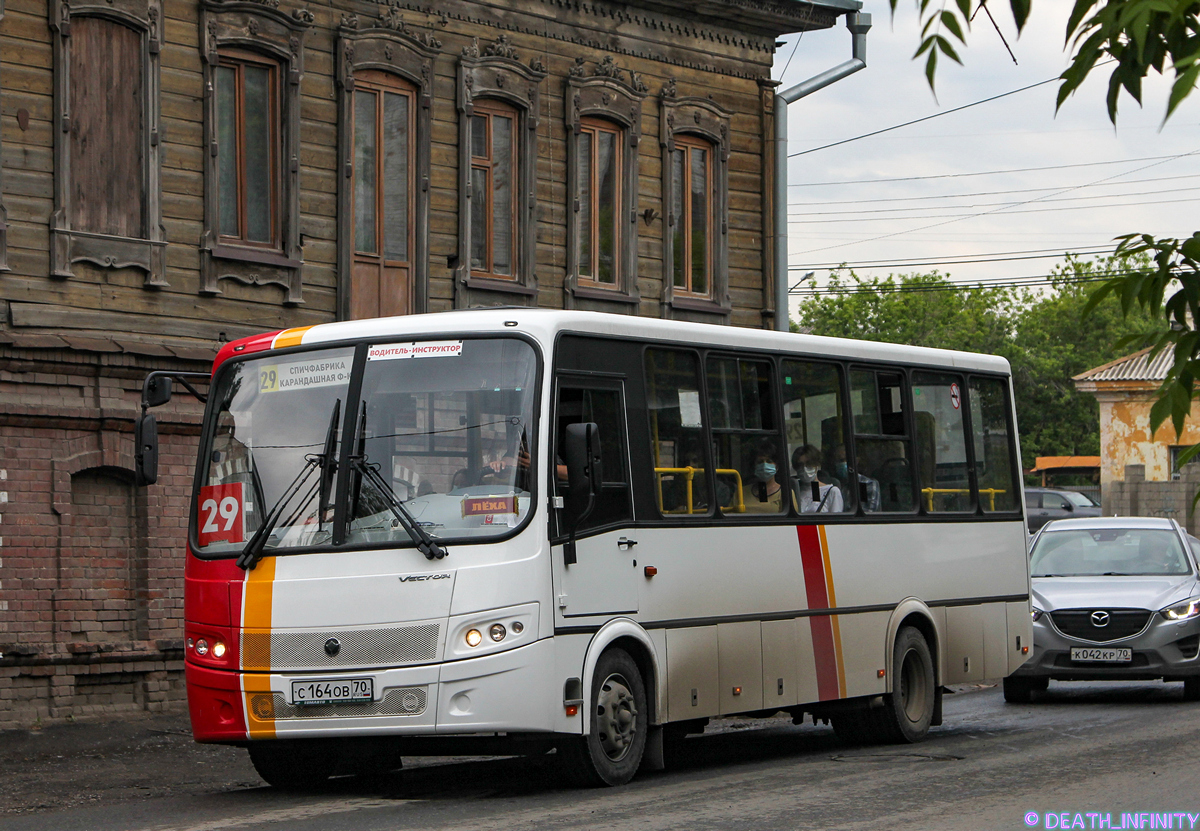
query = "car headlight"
x=1186 y=610
x=1036 y=613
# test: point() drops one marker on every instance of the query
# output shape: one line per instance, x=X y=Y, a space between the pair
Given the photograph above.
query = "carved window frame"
x=260 y=28
x=608 y=97
x=69 y=246
x=498 y=75
x=704 y=119
x=389 y=47
x=3 y=211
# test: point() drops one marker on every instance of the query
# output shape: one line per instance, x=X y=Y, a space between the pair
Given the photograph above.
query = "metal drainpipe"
x=858 y=23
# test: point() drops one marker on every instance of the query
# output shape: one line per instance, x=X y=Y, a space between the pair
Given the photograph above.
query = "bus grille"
x=1122 y=623
x=358 y=648
x=401 y=701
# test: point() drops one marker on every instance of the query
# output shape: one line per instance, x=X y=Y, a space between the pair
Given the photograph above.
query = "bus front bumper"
x=510 y=691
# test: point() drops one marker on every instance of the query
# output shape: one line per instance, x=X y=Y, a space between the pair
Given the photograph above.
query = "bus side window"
x=741 y=403
x=881 y=441
x=814 y=413
x=939 y=416
x=993 y=445
x=606 y=409
x=677 y=433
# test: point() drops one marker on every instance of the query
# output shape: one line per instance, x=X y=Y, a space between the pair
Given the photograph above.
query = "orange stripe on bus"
x=837 y=629
x=290 y=337
x=258 y=591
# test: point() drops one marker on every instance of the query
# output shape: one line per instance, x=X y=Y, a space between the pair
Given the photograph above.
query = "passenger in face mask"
x=766 y=494
x=827 y=497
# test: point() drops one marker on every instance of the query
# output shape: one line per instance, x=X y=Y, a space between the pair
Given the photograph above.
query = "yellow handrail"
x=689 y=474
x=991 y=493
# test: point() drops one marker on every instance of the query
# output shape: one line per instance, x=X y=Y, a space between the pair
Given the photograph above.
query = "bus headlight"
x=218 y=650
x=202 y=647
x=497 y=632
x=474 y=637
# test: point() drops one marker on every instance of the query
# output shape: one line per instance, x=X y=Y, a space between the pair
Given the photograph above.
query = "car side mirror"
x=145 y=459
x=585 y=473
x=1068 y=507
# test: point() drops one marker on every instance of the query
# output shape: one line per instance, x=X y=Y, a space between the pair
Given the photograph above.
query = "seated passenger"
x=829 y=497
x=766 y=494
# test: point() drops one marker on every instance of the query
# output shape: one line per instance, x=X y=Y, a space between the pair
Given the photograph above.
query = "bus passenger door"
x=602 y=578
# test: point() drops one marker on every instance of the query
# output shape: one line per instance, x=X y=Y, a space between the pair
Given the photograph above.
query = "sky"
x=1093 y=182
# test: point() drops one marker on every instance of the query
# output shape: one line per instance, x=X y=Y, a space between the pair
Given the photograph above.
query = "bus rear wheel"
x=611 y=752
x=908 y=709
x=293 y=765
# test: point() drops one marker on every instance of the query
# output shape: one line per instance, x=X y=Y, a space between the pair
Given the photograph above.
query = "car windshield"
x=1108 y=552
x=1079 y=500
x=445 y=426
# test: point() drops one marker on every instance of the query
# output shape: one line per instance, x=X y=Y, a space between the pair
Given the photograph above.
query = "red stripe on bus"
x=821 y=626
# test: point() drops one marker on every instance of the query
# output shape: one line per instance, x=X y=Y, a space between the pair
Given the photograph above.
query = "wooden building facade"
x=177 y=173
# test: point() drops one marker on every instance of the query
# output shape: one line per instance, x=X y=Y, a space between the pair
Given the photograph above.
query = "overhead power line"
x=979 y=173
x=998 y=210
x=858 y=215
x=802 y=203
x=919 y=120
x=1032 y=281
x=923 y=262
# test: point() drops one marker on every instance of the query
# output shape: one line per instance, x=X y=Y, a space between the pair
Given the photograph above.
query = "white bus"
x=513 y=530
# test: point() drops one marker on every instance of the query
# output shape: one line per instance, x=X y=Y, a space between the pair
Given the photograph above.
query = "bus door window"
x=677 y=444
x=750 y=473
x=939 y=416
x=606 y=409
x=814 y=415
x=881 y=441
x=993 y=445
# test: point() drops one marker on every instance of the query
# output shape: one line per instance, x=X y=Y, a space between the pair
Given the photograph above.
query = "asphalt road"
x=1083 y=753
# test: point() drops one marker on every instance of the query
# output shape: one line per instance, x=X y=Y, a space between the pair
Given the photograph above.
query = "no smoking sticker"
x=955 y=396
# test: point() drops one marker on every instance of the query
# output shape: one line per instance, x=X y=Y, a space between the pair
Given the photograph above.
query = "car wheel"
x=908 y=709
x=294 y=765
x=1191 y=689
x=611 y=752
x=1020 y=690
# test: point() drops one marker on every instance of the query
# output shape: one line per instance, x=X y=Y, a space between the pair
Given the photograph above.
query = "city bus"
x=515 y=531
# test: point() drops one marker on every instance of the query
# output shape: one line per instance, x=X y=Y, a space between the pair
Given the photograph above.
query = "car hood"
x=1051 y=593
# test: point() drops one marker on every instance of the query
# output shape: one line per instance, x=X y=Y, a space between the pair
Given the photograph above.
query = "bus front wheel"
x=908 y=709
x=293 y=765
x=612 y=750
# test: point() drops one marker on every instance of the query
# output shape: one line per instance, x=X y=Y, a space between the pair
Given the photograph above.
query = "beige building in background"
x=1126 y=390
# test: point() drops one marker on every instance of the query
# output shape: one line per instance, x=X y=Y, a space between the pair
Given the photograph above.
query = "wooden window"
x=494 y=223
x=106 y=95
x=692 y=216
x=600 y=170
x=384 y=113
x=247 y=110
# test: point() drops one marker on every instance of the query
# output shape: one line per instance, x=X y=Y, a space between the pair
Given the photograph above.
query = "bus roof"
x=545 y=324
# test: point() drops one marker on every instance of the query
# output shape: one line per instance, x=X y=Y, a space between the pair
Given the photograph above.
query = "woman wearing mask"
x=766 y=494
x=827 y=497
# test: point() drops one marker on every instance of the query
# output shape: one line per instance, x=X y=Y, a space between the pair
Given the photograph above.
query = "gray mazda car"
x=1114 y=598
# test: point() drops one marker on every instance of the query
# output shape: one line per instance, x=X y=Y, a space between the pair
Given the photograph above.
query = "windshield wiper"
x=425 y=543
x=253 y=551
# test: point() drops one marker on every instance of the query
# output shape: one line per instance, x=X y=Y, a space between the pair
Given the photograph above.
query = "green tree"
x=1135 y=37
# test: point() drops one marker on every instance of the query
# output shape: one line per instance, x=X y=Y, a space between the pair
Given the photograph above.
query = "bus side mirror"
x=145 y=460
x=157 y=391
x=584 y=475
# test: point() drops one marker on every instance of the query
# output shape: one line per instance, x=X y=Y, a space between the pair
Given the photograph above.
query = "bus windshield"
x=439 y=436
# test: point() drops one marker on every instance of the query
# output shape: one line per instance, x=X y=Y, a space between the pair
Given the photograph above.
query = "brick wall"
x=91 y=567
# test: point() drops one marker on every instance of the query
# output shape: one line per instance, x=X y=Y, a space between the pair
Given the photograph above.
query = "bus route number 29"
x=221 y=514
